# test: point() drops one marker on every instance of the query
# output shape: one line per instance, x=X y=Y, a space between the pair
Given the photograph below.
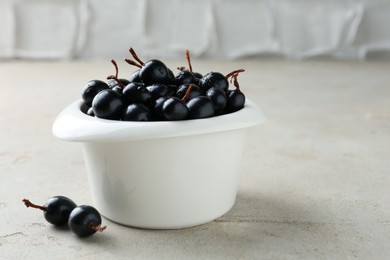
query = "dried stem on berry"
x=95 y=227
x=115 y=77
x=135 y=56
x=188 y=59
x=182 y=68
x=117 y=80
x=235 y=81
x=234 y=72
x=116 y=68
x=131 y=62
x=187 y=94
x=28 y=204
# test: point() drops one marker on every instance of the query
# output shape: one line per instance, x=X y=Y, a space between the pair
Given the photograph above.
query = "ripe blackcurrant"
x=195 y=91
x=108 y=104
x=137 y=112
x=200 y=107
x=91 y=89
x=56 y=210
x=136 y=92
x=213 y=79
x=158 y=90
x=85 y=220
x=219 y=98
x=172 y=108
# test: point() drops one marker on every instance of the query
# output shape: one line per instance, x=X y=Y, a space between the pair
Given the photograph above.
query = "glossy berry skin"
x=195 y=91
x=184 y=77
x=158 y=90
x=108 y=104
x=218 y=97
x=236 y=101
x=91 y=89
x=137 y=112
x=112 y=83
x=117 y=89
x=200 y=107
x=90 y=112
x=171 y=109
x=58 y=209
x=135 y=77
x=82 y=220
x=155 y=71
x=213 y=80
x=136 y=92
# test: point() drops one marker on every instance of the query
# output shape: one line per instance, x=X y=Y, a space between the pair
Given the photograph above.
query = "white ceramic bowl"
x=161 y=175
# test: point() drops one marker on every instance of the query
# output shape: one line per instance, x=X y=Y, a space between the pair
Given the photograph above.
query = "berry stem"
x=187 y=94
x=96 y=228
x=135 y=56
x=131 y=62
x=28 y=204
x=188 y=59
x=182 y=68
x=115 y=77
x=235 y=81
x=116 y=68
x=117 y=80
x=234 y=72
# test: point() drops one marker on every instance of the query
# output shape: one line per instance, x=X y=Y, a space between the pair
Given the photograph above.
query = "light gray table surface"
x=314 y=182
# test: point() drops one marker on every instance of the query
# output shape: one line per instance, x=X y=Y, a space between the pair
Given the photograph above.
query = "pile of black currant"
x=154 y=93
x=83 y=220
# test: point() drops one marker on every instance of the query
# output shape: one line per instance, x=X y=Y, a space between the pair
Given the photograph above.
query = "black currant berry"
x=135 y=77
x=218 y=97
x=235 y=98
x=108 y=104
x=85 y=220
x=200 y=107
x=56 y=210
x=235 y=101
x=91 y=89
x=155 y=71
x=158 y=90
x=213 y=80
x=172 y=108
x=118 y=89
x=152 y=71
x=184 y=77
x=137 y=112
x=195 y=91
x=136 y=92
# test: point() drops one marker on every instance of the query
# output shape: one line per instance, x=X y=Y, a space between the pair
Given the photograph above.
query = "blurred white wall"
x=209 y=28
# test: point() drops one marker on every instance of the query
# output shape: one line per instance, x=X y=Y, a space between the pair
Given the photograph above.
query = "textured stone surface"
x=314 y=182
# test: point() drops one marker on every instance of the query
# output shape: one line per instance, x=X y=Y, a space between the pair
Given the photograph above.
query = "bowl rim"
x=74 y=125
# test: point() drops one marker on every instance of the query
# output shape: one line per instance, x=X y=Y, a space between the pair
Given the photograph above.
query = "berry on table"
x=56 y=210
x=85 y=220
